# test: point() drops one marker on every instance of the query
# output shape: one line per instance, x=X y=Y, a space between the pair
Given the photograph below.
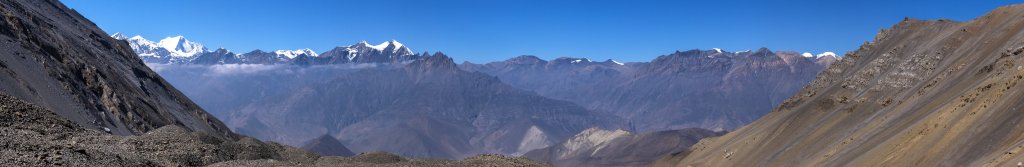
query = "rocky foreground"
x=35 y=136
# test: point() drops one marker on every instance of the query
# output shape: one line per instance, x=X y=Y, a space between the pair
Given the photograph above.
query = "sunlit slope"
x=924 y=93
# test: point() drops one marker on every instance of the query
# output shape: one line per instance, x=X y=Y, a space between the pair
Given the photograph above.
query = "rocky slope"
x=61 y=61
x=923 y=93
x=598 y=147
x=710 y=89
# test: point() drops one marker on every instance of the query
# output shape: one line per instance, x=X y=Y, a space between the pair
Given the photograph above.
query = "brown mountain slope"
x=53 y=57
x=924 y=93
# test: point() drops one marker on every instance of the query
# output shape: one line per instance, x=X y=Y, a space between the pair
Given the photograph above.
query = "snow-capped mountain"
x=175 y=49
x=141 y=46
x=362 y=52
x=291 y=54
x=820 y=55
x=179 y=50
x=390 y=46
x=181 y=47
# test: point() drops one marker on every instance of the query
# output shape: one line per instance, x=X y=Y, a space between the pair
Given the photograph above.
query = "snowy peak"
x=614 y=62
x=119 y=36
x=181 y=47
x=141 y=46
x=139 y=38
x=379 y=46
x=291 y=54
x=820 y=55
x=826 y=54
x=393 y=46
x=180 y=50
x=766 y=51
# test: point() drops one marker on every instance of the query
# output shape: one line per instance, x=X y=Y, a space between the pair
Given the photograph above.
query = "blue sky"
x=490 y=30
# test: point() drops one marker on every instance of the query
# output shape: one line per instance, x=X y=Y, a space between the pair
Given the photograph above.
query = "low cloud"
x=233 y=69
x=247 y=69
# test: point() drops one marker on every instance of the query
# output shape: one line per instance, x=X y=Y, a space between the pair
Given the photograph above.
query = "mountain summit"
x=181 y=47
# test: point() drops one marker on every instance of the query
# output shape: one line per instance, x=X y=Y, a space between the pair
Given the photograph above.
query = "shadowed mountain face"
x=708 y=89
x=327 y=145
x=424 y=108
x=597 y=147
x=924 y=93
x=55 y=58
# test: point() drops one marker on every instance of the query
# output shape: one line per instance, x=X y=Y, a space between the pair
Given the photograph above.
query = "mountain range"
x=711 y=89
x=424 y=108
x=179 y=50
x=387 y=98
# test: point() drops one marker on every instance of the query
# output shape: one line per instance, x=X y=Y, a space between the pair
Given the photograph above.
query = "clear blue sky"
x=489 y=30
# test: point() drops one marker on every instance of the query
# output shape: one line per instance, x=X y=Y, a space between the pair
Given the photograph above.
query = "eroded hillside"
x=924 y=93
